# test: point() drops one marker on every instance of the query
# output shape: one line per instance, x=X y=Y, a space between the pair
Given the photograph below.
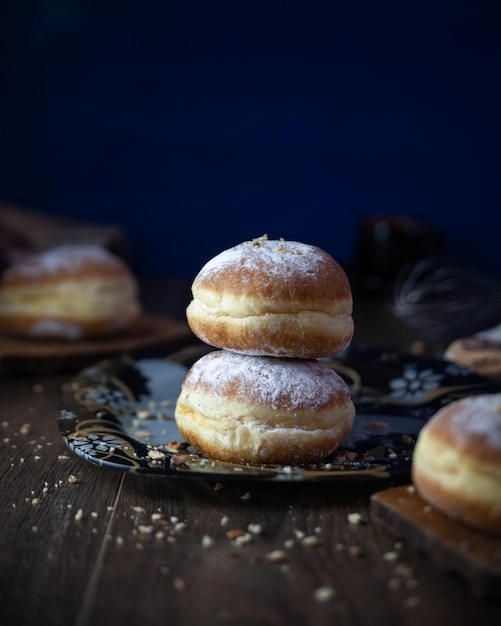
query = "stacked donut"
x=274 y=309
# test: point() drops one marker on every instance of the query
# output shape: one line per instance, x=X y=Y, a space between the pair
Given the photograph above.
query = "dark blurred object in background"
x=25 y=231
x=443 y=300
x=385 y=243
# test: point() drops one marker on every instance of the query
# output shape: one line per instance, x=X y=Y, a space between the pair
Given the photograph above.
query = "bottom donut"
x=263 y=410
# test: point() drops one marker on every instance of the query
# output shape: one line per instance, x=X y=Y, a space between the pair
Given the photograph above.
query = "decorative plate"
x=120 y=414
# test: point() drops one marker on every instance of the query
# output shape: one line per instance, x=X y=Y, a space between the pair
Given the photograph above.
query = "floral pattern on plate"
x=120 y=414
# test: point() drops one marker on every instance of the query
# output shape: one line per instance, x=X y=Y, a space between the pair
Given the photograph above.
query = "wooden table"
x=84 y=546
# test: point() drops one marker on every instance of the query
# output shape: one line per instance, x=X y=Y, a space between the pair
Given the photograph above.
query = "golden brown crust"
x=249 y=409
x=481 y=353
x=277 y=298
x=471 y=511
x=457 y=461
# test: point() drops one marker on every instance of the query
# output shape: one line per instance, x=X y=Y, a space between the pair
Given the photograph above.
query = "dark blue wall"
x=196 y=124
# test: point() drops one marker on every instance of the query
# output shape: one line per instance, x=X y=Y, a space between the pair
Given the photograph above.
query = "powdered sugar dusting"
x=276 y=257
x=290 y=383
x=478 y=416
x=66 y=258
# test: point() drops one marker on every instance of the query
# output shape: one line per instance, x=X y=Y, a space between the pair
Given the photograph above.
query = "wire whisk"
x=443 y=300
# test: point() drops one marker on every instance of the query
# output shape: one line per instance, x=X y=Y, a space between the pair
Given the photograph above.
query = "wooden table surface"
x=84 y=546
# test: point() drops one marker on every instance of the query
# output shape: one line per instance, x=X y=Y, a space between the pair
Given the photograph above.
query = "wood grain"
x=453 y=546
x=138 y=555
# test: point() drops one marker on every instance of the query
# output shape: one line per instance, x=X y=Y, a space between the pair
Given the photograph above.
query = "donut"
x=273 y=298
x=456 y=463
x=68 y=292
x=257 y=409
x=480 y=352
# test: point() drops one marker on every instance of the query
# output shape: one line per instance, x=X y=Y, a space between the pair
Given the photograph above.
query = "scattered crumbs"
x=276 y=556
x=390 y=556
x=299 y=534
x=110 y=508
x=240 y=540
x=355 y=551
x=144 y=415
x=159 y=535
x=207 y=542
x=36 y=501
x=25 y=429
x=218 y=486
x=138 y=509
x=37 y=457
x=179 y=584
x=179 y=526
x=310 y=540
x=287 y=469
x=255 y=529
x=377 y=426
x=354 y=518
x=156 y=455
x=235 y=532
x=62 y=457
x=289 y=543
x=72 y=479
x=145 y=529
x=79 y=515
x=156 y=517
x=174 y=446
x=246 y=496
x=174 y=519
x=324 y=594
x=94 y=515
x=224 y=520
x=403 y=570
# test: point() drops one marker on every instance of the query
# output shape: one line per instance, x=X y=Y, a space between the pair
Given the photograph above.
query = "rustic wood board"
x=151 y=334
x=453 y=546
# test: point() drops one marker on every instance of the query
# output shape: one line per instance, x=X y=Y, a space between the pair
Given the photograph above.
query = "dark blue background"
x=196 y=124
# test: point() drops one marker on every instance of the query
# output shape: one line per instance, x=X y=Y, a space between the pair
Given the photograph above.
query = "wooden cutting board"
x=151 y=334
x=453 y=546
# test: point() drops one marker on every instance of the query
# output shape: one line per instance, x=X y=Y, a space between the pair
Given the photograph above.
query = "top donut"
x=273 y=298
